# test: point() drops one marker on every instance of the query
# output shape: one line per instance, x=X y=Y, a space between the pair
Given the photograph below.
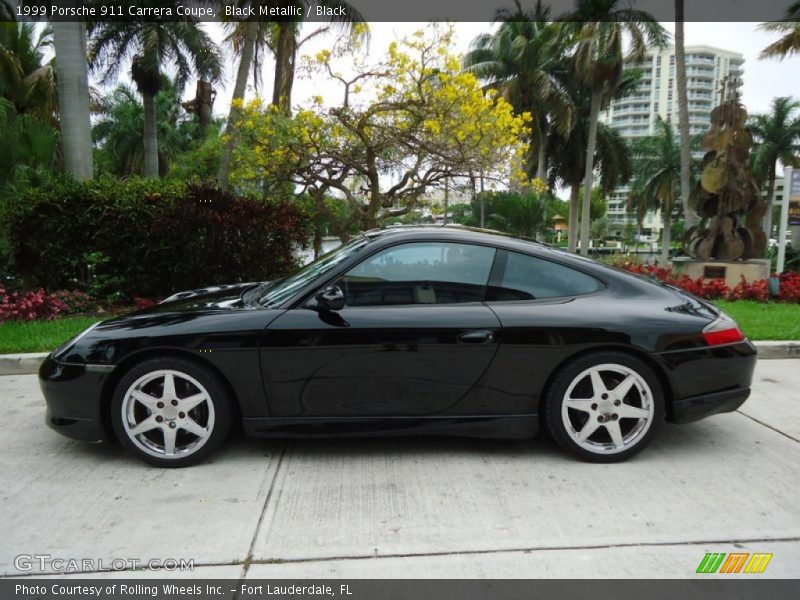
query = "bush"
x=29 y=306
x=148 y=238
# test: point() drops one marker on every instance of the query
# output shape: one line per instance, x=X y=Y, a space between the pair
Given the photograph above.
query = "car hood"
x=208 y=298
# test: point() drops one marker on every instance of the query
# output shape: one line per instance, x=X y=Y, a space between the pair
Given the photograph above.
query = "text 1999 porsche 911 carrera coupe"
x=424 y=330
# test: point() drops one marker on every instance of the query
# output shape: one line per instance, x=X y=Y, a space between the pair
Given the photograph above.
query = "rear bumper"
x=698 y=407
x=709 y=381
x=72 y=393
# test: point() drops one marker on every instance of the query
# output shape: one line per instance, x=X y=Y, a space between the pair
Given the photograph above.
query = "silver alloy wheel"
x=168 y=414
x=607 y=408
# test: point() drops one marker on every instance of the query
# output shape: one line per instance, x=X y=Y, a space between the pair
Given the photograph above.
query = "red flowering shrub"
x=142 y=303
x=790 y=287
x=715 y=289
x=75 y=301
x=756 y=290
x=29 y=306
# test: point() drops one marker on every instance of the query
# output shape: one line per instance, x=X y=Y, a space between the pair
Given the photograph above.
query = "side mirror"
x=331 y=298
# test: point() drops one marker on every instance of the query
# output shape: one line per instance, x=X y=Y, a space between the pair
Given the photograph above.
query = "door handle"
x=476 y=337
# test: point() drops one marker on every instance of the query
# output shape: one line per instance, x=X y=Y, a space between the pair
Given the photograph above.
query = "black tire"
x=639 y=439
x=214 y=419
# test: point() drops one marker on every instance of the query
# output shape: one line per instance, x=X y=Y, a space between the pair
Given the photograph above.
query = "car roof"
x=452 y=232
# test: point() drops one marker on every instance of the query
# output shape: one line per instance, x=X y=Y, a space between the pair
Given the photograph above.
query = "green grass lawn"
x=40 y=336
x=765 y=321
x=768 y=321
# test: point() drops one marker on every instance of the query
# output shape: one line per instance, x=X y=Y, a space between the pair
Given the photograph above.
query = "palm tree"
x=521 y=214
x=683 y=114
x=150 y=46
x=29 y=146
x=521 y=60
x=72 y=76
x=789 y=43
x=249 y=40
x=599 y=27
x=119 y=133
x=286 y=44
x=567 y=160
x=657 y=180
x=25 y=79
x=777 y=138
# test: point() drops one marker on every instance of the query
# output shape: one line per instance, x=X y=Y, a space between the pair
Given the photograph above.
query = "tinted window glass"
x=420 y=273
x=530 y=278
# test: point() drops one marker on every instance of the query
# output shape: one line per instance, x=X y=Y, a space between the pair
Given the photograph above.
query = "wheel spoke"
x=598 y=387
x=145 y=399
x=148 y=424
x=169 y=440
x=624 y=387
x=190 y=402
x=169 y=387
x=615 y=432
x=192 y=426
x=580 y=404
x=626 y=411
x=589 y=428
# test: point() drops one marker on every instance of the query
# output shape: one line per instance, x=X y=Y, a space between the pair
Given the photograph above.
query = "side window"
x=420 y=273
x=530 y=278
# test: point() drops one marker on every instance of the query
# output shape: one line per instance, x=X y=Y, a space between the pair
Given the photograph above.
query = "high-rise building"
x=656 y=95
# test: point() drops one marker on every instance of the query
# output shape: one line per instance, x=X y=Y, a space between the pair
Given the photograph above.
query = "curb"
x=28 y=364
x=21 y=364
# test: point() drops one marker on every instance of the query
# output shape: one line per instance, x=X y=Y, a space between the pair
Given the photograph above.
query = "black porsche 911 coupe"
x=424 y=330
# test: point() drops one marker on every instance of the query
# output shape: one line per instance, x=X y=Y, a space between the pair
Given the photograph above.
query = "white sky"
x=763 y=79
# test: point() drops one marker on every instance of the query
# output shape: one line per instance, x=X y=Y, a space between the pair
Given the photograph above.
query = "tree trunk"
x=483 y=205
x=574 y=206
x=242 y=75
x=446 y=200
x=69 y=41
x=588 y=175
x=150 y=136
x=285 y=55
x=666 y=232
x=770 y=199
x=541 y=167
x=683 y=116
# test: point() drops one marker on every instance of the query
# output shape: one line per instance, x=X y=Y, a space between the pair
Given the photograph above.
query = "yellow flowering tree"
x=401 y=127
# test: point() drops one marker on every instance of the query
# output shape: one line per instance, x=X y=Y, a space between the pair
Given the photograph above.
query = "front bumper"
x=73 y=395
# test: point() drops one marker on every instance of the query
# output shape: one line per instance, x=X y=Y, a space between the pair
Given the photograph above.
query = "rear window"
x=525 y=277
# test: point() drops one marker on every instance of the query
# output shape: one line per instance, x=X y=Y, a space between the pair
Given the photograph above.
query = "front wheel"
x=605 y=407
x=170 y=412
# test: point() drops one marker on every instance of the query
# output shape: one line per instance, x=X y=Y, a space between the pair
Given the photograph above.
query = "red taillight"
x=722 y=331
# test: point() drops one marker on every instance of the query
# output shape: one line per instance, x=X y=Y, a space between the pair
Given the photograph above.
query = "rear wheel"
x=170 y=412
x=605 y=407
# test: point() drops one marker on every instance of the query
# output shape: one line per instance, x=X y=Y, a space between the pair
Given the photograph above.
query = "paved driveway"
x=411 y=507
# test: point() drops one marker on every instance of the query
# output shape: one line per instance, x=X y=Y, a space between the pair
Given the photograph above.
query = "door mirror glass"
x=331 y=298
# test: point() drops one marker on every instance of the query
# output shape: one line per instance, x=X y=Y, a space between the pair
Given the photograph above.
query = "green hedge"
x=140 y=237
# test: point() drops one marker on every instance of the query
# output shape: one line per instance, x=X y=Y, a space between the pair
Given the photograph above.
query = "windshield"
x=285 y=288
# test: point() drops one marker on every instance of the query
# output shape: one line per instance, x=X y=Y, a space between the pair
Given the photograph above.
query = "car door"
x=412 y=339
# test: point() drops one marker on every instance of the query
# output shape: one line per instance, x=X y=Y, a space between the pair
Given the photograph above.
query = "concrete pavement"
x=413 y=507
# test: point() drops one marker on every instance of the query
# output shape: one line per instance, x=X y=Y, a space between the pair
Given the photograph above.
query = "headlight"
x=73 y=340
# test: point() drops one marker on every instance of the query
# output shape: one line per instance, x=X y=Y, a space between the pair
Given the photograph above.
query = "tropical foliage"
x=777 y=137
x=656 y=184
